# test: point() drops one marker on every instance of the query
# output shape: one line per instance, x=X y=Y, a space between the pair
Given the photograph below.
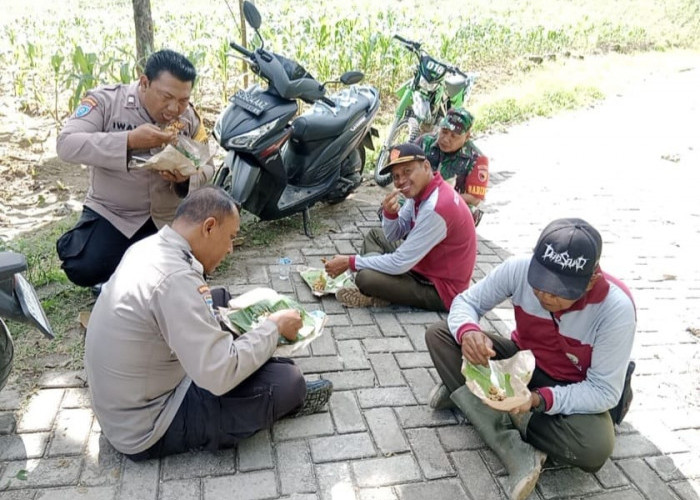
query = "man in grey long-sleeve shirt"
x=124 y=205
x=164 y=377
x=579 y=323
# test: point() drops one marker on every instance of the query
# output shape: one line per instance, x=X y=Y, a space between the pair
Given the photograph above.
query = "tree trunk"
x=244 y=66
x=143 y=23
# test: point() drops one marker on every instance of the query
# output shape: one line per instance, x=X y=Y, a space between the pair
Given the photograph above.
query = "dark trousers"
x=91 y=251
x=207 y=421
x=582 y=440
x=408 y=289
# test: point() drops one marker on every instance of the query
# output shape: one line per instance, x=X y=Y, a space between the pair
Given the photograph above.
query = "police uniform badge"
x=206 y=295
x=85 y=106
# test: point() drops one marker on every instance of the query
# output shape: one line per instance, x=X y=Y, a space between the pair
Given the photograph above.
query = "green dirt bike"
x=423 y=101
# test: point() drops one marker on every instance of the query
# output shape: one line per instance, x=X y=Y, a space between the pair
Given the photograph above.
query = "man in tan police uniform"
x=110 y=126
x=164 y=377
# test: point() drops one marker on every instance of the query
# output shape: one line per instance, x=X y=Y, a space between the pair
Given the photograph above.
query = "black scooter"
x=18 y=301
x=274 y=167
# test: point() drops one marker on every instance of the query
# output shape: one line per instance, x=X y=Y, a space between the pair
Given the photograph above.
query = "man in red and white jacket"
x=424 y=255
x=579 y=323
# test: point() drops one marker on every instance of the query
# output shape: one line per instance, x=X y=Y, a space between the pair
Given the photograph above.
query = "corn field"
x=52 y=52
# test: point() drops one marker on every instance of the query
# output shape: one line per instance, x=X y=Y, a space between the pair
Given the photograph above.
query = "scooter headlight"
x=248 y=140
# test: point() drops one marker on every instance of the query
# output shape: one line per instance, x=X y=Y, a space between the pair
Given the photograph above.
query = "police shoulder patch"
x=85 y=106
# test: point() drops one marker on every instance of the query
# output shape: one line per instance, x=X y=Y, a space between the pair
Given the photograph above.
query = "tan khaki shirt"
x=152 y=331
x=95 y=135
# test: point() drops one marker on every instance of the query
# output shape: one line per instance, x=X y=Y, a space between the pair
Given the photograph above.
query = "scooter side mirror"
x=251 y=14
x=351 y=77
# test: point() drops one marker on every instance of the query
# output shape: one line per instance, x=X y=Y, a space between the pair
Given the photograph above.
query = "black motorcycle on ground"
x=19 y=302
x=278 y=165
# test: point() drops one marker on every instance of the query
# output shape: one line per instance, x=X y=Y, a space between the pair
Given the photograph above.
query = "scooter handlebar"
x=241 y=49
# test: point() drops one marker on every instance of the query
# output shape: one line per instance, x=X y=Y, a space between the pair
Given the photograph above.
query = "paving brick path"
x=631 y=166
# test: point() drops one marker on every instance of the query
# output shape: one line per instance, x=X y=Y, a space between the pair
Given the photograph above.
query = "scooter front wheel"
x=407 y=130
x=7 y=352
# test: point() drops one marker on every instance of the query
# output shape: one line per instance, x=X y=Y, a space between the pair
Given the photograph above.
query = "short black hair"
x=207 y=201
x=173 y=62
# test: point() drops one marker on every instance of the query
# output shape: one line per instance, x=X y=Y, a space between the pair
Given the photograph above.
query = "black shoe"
x=318 y=393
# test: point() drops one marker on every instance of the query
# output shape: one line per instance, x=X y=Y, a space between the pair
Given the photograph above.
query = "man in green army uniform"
x=459 y=161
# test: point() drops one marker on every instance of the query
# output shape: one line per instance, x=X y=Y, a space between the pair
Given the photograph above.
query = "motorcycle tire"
x=407 y=130
x=7 y=352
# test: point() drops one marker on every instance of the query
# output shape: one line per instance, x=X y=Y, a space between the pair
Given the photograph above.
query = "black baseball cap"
x=565 y=258
x=403 y=153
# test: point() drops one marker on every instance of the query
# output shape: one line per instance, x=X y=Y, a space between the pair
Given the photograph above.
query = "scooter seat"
x=313 y=126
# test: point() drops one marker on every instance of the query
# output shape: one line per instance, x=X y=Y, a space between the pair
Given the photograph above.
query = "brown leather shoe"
x=352 y=297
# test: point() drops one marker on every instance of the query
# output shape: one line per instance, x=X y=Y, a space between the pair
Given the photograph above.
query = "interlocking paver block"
x=385 y=471
x=610 y=476
x=7 y=422
x=377 y=494
x=387 y=369
x=184 y=489
x=21 y=446
x=424 y=416
x=626 y=494
x=475 y=476
x=416 y=333
x=63 y=379
x=447 y=489
x=42 y=473
x=355 y=332
x=418 y=317
x=334 y=481
x=675 y=467
x=388 y=324
x=139 y=480
x=688 y=489
x=10 y=399
x=460 y=437
x=646 y=479
x=344 y=447
x=78 y=493
x=198 y=464
x=255 y=452
x=76 y=397
x=318 y=424
x=360 y=316
x=352 y=354
x=242 y=486
x=346 y=412
x=633 y=445
x=102 y=463
x=70 y=432
x=324 y=346
x=386 y=431
x=391 y=344
x=569 y=481
x=414 y=360
x=391 y=396
x=431 y=457
x=348 y=380
x=420 y=382
x=295 y=468
x=319 y=364
x=39 y=414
